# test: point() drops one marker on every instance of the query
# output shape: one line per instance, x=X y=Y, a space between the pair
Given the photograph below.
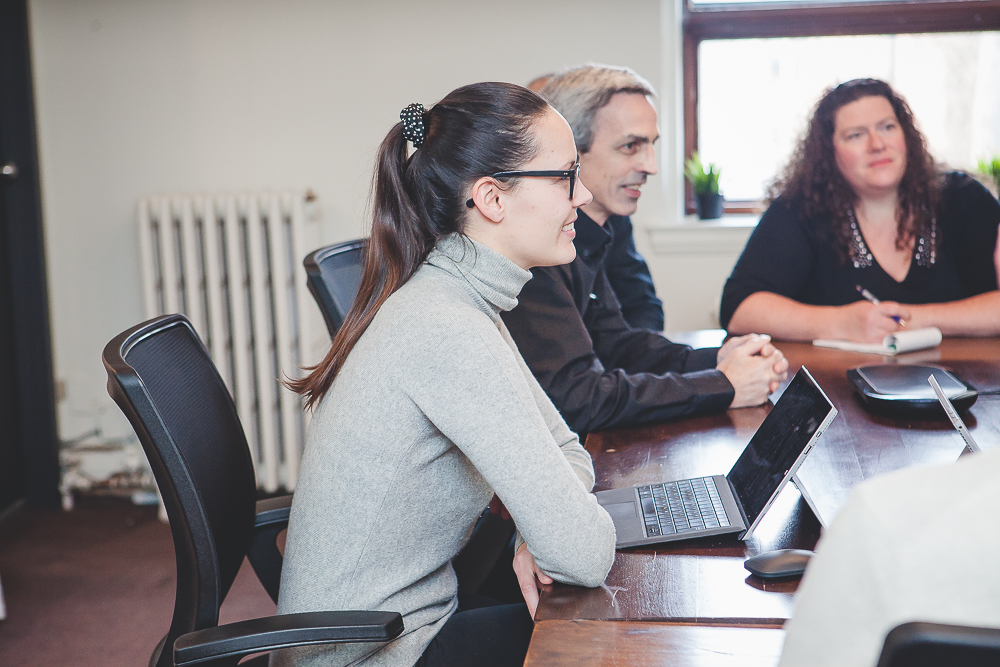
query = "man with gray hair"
x=616 y=172
x=601 y=371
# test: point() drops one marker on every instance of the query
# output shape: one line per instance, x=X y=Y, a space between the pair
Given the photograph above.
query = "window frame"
x=808 y=19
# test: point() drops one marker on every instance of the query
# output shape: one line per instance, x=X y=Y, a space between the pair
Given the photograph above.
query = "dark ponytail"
x=475 y=131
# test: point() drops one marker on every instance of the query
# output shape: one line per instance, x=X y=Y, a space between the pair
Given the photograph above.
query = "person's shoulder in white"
x=919 y=544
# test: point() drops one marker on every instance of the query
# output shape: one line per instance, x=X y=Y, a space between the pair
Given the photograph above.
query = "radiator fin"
x=232 y=263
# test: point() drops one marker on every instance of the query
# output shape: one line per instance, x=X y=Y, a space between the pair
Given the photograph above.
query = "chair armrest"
x=272 y=511
x=924 y=643
x=263 y=554
x=227 y=644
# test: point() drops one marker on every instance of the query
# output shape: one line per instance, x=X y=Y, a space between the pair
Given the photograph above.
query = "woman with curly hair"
x=864 y=206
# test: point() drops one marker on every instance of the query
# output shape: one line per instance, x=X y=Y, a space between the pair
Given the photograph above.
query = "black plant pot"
x=709 y=205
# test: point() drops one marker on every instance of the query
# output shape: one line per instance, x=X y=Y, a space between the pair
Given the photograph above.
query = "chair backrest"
x=919 y=644
x=334 y=276
x=161 y=376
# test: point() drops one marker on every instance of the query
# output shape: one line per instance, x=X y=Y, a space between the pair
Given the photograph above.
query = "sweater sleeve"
x=602 y=373
x=567 y=440
x=471 y=388
x=778 y=258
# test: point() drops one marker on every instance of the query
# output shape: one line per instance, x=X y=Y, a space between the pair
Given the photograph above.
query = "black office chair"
x=161 y=376
x=333 y=275
x=918 y=644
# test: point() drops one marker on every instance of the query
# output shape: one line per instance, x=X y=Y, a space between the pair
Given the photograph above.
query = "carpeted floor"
x=95 y=586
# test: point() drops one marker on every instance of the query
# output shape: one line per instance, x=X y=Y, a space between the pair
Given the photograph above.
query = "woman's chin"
x=561 y=255
x=567 y=248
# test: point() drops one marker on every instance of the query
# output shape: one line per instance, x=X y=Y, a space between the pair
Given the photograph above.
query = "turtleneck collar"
x=493 y=278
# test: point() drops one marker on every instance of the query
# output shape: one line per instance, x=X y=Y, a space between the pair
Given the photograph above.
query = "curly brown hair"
x=813 y=180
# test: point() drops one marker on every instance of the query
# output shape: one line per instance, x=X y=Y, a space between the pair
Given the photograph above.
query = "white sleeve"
x=840 y=605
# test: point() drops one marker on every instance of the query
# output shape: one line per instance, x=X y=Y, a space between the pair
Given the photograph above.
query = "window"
x=753 y=72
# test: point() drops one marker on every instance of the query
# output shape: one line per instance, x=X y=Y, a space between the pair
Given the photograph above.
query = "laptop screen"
x=778 y=442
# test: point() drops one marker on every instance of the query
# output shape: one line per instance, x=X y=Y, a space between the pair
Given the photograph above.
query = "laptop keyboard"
x=678 y=507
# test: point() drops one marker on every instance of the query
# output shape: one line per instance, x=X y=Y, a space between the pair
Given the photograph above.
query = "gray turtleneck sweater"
x=433 y=411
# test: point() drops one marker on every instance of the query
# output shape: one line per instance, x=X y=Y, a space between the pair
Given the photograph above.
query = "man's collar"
x=591 y=238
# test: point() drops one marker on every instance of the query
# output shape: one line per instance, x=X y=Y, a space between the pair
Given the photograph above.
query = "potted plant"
x=708 y=199
x=991 y=169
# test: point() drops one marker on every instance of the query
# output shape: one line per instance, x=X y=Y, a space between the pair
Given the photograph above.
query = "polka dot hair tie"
x=413 y=124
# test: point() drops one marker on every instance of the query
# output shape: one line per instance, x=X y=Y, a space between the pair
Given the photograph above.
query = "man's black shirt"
x=630 y=279
x=600 y=372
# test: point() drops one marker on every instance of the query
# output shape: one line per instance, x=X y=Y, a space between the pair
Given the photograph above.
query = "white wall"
x=136 y=97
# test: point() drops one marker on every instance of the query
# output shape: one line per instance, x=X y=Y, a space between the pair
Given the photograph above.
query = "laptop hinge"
x=739 y=506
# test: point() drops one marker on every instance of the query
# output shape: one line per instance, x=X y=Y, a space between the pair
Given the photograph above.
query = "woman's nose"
x=581 y=195
x=875 y=141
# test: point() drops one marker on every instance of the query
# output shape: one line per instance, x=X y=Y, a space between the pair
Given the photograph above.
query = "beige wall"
x=137 y=97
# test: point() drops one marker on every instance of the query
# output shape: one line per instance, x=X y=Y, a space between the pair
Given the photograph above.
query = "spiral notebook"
x=897 y=343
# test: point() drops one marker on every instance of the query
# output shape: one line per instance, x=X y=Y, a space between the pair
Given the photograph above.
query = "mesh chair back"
x=161 y=376
x=334 y=276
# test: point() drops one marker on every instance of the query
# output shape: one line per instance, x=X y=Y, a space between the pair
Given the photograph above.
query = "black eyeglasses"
x=572 y=174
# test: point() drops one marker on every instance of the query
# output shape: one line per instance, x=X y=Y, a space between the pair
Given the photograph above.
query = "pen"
x=873 y=299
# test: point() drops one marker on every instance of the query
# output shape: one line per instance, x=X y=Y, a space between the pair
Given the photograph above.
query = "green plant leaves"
x=991 y=168
x=703 y=181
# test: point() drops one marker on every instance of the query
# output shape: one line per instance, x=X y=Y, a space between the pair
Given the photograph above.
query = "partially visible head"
x=862 y=141
x=615 y=125
x=539 y=82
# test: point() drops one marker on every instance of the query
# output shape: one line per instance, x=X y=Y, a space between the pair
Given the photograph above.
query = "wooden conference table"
x=638 y=644
x=703 y=581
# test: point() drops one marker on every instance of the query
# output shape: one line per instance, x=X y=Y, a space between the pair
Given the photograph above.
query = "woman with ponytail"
x=424 y=408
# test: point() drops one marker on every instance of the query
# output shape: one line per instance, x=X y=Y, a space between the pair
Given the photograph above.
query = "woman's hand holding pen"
x=753 y=366
x=866 y=322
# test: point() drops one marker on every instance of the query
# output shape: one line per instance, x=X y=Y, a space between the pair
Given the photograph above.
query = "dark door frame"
x=27 y=353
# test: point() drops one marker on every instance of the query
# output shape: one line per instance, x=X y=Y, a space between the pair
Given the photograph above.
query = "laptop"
x=735 y=503
x=971 y=447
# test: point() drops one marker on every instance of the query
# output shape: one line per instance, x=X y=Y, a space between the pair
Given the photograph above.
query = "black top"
x=796 y=258
x=630 y=279
x=599 y=371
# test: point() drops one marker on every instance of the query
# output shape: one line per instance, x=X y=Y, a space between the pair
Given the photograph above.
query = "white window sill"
x=728 y=220
x=724 y=236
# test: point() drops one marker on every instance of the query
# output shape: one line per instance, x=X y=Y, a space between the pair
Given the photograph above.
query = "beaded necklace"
x=925 y=250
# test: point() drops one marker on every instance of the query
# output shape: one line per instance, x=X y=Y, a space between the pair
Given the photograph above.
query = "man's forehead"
x=628 y=115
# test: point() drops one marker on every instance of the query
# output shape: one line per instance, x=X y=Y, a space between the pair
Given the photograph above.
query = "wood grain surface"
x=637 y=644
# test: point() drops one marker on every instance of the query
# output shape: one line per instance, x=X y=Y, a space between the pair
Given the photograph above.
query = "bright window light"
x=755 y=96
x=787 y=2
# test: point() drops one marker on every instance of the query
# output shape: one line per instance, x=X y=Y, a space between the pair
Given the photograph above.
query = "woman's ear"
x=485 y=196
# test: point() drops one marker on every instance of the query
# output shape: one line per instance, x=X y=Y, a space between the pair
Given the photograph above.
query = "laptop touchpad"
x=628 y=526
x=621 y=511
